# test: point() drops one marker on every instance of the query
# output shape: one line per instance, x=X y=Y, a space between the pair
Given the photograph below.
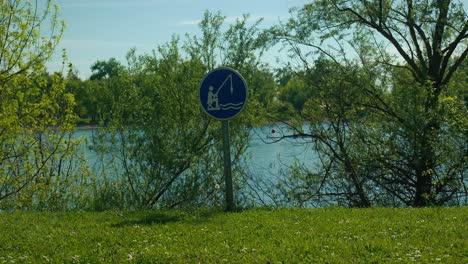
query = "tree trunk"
x=426 y=156
x=424 y=174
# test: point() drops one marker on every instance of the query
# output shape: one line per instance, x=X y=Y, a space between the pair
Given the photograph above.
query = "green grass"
x=332 y=235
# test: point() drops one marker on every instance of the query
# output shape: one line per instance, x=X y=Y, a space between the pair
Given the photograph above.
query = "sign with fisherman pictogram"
x=223 y=93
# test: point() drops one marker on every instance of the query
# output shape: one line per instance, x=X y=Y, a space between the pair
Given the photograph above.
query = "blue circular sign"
x=223 y=93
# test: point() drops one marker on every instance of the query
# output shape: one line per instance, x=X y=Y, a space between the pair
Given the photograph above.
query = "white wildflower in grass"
x=217 y=186
x=226 y=244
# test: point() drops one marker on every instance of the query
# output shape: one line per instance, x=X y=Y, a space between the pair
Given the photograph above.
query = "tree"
x=263 y=87
x=105 y=69
x=102 y=89
x=207 y=47
x=76 y=87
x=429 y=43
x=35 y=110
x=167 y=148
x=23 y=44
x=334 y=115
x=36 y=116
x=295 y=93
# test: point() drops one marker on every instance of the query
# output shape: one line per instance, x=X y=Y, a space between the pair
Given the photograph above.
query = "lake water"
x=262 y=155
x=265 y=162
x=267 y=154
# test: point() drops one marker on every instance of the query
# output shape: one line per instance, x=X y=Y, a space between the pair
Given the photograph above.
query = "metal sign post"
x=227 y=167
x=223 y=95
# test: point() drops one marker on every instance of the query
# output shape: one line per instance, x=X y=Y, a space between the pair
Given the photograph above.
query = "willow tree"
x=425 y=41
x=31 y=102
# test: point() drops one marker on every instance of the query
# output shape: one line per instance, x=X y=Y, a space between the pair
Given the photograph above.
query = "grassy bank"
x=333 y=235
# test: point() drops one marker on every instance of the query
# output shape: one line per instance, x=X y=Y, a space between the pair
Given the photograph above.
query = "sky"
x=102 y=29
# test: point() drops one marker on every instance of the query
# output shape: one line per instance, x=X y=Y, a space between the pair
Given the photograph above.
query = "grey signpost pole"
x=227 y=167
x=223 y=95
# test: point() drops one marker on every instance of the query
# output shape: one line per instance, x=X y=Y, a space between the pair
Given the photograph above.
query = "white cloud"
x=189 y=22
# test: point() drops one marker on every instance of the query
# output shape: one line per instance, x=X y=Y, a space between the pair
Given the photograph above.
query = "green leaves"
x=35 y=111
x=23 y=42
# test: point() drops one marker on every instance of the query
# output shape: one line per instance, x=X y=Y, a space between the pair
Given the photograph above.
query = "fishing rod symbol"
x=213 y=98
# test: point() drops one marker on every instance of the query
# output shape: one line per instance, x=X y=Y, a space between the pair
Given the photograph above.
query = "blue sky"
x=101 y=29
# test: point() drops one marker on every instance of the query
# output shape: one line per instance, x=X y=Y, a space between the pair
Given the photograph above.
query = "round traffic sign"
x=223 y=93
